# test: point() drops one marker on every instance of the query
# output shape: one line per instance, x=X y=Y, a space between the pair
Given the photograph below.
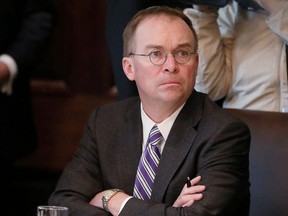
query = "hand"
x=4 y=73
x=188 y=196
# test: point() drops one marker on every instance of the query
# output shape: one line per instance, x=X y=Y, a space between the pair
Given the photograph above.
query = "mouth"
x=171 y=83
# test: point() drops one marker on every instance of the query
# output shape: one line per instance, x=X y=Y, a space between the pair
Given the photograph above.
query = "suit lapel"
x=178 y=144
x=129 y=143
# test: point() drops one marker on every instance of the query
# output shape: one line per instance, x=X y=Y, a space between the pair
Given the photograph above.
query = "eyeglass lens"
x=159 y=56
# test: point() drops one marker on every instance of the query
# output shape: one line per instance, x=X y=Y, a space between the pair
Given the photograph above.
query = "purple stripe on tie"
x=148 y=166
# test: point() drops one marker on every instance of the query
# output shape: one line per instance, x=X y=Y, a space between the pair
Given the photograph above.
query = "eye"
x=156 y=54
x=182 y=53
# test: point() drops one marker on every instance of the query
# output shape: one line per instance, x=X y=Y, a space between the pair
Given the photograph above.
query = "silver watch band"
x=107 y=196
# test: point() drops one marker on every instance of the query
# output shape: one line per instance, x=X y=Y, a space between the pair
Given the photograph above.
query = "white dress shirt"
x=164 y=127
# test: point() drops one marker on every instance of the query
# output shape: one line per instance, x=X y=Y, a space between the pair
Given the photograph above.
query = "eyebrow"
x=152 y=46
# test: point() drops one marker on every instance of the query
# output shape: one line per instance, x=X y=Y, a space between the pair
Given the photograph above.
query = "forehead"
x=164 y=31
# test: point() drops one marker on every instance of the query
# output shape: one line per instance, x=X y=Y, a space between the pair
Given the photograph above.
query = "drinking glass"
x=52 y=211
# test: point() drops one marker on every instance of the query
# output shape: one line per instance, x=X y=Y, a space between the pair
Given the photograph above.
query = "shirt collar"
x=164 y=127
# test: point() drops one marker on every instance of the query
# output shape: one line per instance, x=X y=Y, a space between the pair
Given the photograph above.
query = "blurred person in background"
x=26 y=27
x=246 y=63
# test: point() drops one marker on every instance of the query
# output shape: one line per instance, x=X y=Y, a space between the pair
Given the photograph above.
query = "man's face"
x=170 y=82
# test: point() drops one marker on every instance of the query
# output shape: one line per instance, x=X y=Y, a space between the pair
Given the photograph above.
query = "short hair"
x=131 y=27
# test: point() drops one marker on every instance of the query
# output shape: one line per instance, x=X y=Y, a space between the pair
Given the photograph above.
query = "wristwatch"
x=107 y=196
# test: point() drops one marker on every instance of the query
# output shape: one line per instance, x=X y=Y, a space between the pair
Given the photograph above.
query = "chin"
x=173 y=96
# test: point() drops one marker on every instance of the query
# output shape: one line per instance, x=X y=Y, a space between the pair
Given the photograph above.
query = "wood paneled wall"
x=74 y=77
x=78 y=53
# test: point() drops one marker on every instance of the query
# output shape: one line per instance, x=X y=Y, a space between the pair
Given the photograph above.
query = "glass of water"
x=52 y=211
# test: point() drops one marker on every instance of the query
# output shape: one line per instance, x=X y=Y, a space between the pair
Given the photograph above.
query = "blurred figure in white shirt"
x=246 y=63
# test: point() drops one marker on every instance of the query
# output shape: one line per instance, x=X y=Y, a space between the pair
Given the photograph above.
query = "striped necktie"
x=148 y=166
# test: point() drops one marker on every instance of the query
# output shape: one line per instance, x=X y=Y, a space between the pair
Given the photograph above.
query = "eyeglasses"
x=159 y=56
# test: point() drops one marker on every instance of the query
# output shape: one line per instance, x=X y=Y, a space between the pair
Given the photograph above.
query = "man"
x=199 y=139
x=26 y=27
x=118 y=14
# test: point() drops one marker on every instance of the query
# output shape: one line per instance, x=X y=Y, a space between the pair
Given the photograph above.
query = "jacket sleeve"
x=81 y=179
x=35 y=30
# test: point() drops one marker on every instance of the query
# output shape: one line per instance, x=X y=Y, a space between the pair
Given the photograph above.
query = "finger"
x=196 y=197
x=187 y=200
x=195 y=189
x=189 y=203
x=192 y=199
x=195 y=180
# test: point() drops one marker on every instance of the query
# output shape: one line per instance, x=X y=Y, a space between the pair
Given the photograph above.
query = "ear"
x=127 y=65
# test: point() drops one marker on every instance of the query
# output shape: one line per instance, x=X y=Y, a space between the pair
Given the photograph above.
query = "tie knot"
x=155 y=136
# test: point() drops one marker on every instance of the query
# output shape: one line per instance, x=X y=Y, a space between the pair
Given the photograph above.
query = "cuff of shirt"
x=12 y=67
x=123 y=203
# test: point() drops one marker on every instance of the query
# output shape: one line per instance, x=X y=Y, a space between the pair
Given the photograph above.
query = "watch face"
x=105 y=199
x=107 y=196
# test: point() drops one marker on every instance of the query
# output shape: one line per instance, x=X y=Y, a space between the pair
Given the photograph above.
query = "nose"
x=170 y=64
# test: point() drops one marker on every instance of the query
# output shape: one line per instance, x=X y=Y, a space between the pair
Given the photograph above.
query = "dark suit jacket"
x=25 y=29
x=204 y=140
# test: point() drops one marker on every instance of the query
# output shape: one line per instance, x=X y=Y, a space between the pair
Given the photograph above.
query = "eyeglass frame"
x=166 y=55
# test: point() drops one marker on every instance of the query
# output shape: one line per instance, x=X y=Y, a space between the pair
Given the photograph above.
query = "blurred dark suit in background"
x=25 y=29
